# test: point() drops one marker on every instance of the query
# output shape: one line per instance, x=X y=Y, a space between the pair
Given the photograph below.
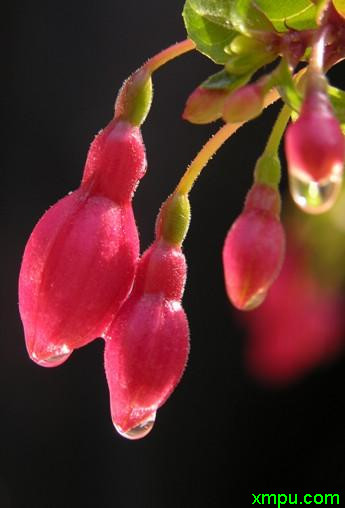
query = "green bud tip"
x=173 y=219
x=268 y=170
x=135 y=97
x=242 y=44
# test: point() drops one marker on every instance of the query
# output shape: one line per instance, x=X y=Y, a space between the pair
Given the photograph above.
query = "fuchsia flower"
x=254 y=248
x=79 y=263
x=315 y=144
x=299 y=325
x=148 y=343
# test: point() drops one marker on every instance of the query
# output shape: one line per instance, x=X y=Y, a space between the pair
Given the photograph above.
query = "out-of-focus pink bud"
x=204 y=105
x=244 y=104
x=80 y=260
x=254 y=248
x=315 y=144
x=148 y=343
x=299 y=325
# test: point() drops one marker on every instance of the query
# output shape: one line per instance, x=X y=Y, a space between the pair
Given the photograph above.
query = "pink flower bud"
x=148 y=343
x=314 y=144
x=204 y=105
x=299 y=326
x=254 y=248
x=80 y=260
x=116 y=162
x=244 y=104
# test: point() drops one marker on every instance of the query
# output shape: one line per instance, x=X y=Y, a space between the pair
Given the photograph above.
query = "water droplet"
x=314 y=197
x=58 y=356
x=255 y=300
x=140 y=430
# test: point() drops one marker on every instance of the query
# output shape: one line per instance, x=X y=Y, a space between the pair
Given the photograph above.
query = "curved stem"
x=277 y=132
x=169 y=54
x=210 y=148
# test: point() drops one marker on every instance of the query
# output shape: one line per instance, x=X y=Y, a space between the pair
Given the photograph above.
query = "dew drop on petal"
x=140 y=430
x=255 y=300
x=314 y=197
x=57 y=357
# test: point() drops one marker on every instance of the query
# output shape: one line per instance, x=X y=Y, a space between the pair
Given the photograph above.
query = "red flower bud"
x=254 y=248
x=204 y=105
x=315 y=144
x=80 y=260
x=148 y=343
x=244 y=104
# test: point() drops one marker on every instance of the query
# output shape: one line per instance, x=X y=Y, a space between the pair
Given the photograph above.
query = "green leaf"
x=297 y=14
x=242 y=64
x=287 y=87
x=224 y=81
x=217 y=11
x=246 y=17
x=210 y=38
x=337 y=98
x=340 y=6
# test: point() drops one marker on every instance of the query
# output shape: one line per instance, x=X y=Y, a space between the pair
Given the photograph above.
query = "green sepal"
x=135 y=97
x=173 y=219
x=243 y=44
x=268 y=170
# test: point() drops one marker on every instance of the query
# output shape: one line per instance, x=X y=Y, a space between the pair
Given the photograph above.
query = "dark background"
x=222 y=435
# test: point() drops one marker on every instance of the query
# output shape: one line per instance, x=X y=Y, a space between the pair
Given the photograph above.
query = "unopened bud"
x=244 y=104
x=204 y=105
x=242 y=44
x=148 y=343
x=254 y=249
x=315 y=144
x=80 y=260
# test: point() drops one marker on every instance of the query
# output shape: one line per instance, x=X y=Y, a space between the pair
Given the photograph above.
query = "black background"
x=222 y=436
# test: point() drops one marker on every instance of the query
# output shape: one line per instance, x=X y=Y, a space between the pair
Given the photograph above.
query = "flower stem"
x=316 y=59
x=134 y=99
x=210 y=148
x=279 y=127
x=169 y=54
x=268 y=168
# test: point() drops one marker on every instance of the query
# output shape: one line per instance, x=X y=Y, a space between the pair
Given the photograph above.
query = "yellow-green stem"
x=169 y=54
x=277 y=132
